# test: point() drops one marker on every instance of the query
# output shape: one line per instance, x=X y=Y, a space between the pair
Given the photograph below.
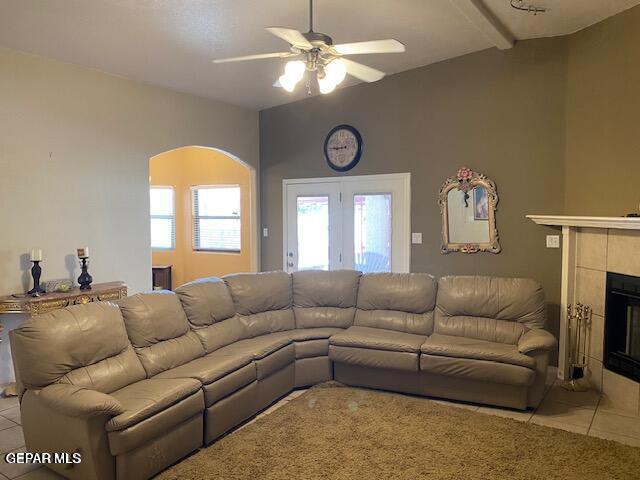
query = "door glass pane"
x=372 y=232
x=313 y=233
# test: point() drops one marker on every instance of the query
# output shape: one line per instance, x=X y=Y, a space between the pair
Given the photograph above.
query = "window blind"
x=161 y=201
x=216 y=218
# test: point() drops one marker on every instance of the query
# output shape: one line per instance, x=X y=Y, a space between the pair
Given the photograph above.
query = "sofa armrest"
x=77 y=401
x=536 y=339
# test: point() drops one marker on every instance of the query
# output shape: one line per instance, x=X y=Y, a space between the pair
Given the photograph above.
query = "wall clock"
x=343 y=148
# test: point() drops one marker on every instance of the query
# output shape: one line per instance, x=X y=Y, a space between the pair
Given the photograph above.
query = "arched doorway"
x=203 y=214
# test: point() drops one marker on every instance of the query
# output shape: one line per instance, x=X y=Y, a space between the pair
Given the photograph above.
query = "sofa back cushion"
x=159 y=331
x=85 y=345
x=206 y=301
x=489 y=308
x=263 y=301
x=397 y=301
x=211 y=313
x=325 y=299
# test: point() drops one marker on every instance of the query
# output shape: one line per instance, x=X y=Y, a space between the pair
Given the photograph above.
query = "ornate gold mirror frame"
x=466 y=180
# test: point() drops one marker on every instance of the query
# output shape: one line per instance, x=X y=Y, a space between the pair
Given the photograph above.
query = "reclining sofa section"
x=136 y=386
x=484 y=342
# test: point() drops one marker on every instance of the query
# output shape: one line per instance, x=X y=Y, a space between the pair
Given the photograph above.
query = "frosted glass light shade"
x=293 y=73
x=336 y=71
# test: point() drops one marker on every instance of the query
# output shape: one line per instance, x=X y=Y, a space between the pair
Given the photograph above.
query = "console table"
x=46 y=302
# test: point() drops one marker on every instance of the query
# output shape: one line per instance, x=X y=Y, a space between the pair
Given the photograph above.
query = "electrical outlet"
x=416 y=238
x=553 y=241
x=265 y=232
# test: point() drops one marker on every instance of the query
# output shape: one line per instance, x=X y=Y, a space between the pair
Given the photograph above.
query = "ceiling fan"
x=315 y=52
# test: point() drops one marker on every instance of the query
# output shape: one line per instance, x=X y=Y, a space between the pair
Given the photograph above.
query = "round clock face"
x=343 y=147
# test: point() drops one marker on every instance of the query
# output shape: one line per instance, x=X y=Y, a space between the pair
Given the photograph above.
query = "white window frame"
x=194 y=218
x=166 y=217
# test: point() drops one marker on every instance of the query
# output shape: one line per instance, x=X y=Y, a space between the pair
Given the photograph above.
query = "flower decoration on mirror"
x=465 y=175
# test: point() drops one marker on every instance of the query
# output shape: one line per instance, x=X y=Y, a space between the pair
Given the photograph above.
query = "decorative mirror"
x=468 y=207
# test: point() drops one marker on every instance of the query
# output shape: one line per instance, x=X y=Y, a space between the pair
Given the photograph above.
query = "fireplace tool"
x=579 y=322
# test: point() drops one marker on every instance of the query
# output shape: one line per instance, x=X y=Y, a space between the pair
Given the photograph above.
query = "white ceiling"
x=170 y=43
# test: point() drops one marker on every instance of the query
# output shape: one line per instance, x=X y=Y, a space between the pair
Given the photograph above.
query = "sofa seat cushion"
x=304 y=334
x=310 y=342
x=230 y=383
x=378 y=339
x=213 y=366
x=261 y=346
x=275 y=361
x=146 y=398
x=312 y=348
x=478 y=370
x=463 y=347
x=368 y=357
x=156 y=426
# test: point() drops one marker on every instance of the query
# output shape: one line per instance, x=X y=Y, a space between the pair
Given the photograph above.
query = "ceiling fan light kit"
x=322 y=57
x=293 y=73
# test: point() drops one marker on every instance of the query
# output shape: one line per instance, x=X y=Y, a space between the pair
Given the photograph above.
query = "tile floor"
x=587 y=413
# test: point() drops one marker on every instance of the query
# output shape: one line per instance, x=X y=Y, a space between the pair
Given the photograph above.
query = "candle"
x=36 y=255
x=83 y=252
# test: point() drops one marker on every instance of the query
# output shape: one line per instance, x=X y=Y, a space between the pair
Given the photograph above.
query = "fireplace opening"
x=622 y=325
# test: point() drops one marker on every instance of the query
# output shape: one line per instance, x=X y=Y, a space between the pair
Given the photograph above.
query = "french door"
x=359 y=222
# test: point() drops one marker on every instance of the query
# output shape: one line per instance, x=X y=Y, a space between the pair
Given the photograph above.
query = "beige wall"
x=499 y=112
x=75 y=145
x=186 y=167
x=603 y=111
x=74 y=161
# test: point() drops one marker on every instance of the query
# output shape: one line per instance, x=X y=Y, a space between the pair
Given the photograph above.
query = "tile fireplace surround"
x=591 y=247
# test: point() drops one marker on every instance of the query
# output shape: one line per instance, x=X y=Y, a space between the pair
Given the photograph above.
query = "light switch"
x=553 y=241
x=265 y=232
x=416 y=238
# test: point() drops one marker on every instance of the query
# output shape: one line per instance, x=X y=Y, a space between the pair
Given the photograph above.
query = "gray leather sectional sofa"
x=136 y=386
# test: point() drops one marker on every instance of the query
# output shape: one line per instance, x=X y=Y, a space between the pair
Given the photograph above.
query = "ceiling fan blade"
x=389 y=45
x=362 y=72
x=291 y=36
x=257 y=56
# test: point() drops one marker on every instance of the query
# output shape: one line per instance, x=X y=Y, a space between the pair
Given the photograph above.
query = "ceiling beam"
x=484 y=20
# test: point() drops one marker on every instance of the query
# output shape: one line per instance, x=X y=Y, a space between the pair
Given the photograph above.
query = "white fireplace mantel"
x=624 y=223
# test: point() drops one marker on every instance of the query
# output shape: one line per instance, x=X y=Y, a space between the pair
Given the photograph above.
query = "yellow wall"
x=183 y=168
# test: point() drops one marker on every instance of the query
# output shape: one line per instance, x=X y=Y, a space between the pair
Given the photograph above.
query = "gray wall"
x=74 y=151
x=603 y=106
x=499 y=112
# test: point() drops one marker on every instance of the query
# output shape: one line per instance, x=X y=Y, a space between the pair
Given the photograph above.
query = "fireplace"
x=622 y=325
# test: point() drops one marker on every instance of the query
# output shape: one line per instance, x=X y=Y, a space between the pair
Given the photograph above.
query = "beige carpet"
x=335 y=432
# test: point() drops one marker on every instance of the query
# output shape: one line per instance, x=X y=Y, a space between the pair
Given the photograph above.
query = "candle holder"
x=85 y=279
x=36 y=271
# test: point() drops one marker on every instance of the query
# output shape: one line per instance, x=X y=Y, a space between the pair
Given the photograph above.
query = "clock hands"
x=339 y=148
